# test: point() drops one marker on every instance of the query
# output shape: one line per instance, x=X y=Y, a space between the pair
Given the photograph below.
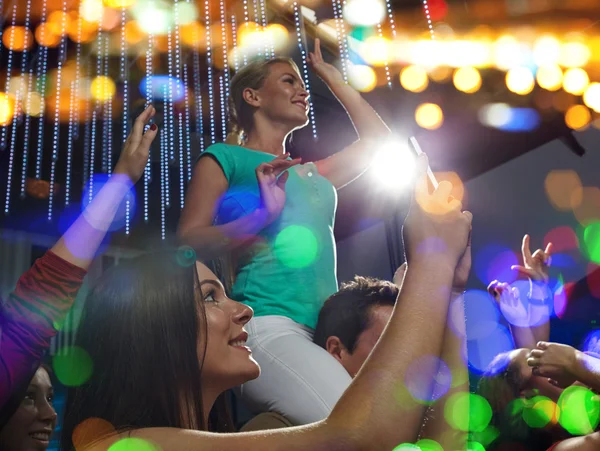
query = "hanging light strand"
x=76 y=115
x=124 y=76
x=186 y=100
x=209 y=64
x=181 y=162
x=428 y=17
x=62 y=56
x=338 y=19
x=236 y=63
x=386 y=62
x=170 y=119
x=225 y=47
x=267 y=36
x=388 y=5
x=27 y=120
x=41 y=72
x=298 y=23
x=9 y=64
x=147 y=173
x=163 y=212
x=106 y=114
x=198 y=99
x=246 y=24
x=70 y=139
x=11 y=160
x=94 y=123
x=257 y=28
x=223 y=109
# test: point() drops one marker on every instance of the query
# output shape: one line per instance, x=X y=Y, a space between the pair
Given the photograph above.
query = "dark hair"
x=346 y=314
x=141 y=325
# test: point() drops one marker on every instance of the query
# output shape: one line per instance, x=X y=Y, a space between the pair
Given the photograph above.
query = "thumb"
x=542 y=345
x=149 y=136
x=282 y=179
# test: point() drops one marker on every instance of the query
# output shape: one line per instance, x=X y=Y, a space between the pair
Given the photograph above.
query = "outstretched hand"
x=272 y=177
x=326 y=72
x=535 y=266
x=555 y=361
x=136 y=150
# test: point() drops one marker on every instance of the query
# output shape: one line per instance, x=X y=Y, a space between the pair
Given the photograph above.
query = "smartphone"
x=414 y=144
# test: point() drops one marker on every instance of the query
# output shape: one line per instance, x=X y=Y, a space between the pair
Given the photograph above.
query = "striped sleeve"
x=40 y=301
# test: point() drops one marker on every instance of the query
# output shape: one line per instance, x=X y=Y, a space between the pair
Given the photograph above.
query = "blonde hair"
x=252 y=75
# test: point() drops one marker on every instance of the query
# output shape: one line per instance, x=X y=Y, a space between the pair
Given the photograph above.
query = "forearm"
x=376 y=403
x=365 y=119
x=523 y=337
x=81 y=241
x=587 y=370
x=213 y=241
x=436 y=427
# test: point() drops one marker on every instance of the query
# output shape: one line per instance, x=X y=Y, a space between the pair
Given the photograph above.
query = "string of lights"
x=186 y=100
x=246 y=24
x=76 y=116
x=388 y=6
x=28 y=94
x=298 y=23
x=169 y=119
x=124 y=78
x=70 y=139
x=94 y=121
x=257 y=30
x=107 y=114
x=149 y=86
x=209 y=64
x=181 y=163
x=9 y=64
x=267 y=37
x=428 y=17
x=236 y=63
x=11 y=160
x=386 y=62
x=41 y=73
x=198 y=98
x=337 y=18
x=163 y=183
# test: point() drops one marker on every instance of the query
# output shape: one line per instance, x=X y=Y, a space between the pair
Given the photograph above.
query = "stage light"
x=467 y=79
x=364 y=13
x=591 y=97
x=574 y=54
x=394 y=165
x=376 y=51
x=362 y=78
x=578 y=116
x=45 y=37
x=550 y=77
x=576 y=81
x=153 y=17
x=546 y=51
x=91 y=10
x=102 y=88
x=7 y=108
x=429 y=116
x=278 y=35
x=17 y=38
x=520 y=80
x=414 y=78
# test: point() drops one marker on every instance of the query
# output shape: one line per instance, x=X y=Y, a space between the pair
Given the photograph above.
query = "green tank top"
x=291 y=268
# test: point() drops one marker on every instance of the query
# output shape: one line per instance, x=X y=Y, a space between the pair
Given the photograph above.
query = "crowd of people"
x=323 y=368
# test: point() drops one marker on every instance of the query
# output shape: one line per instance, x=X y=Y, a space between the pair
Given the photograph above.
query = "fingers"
x=548 y=250
x=532 y=361
x=523 y=271
x=525 y=250
x=281 y=180
x=543 y=345
x=536 y=353
x=318 y=53
x=149 y=137
x=139 y=124
x=442 y=193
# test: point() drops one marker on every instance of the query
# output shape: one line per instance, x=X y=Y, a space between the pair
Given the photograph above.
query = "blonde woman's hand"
x=272 y=177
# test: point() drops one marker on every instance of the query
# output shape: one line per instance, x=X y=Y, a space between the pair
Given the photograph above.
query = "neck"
x=208 y=401
x=267 y=136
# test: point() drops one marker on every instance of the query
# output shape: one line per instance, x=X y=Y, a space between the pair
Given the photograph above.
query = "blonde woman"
x=275 y=215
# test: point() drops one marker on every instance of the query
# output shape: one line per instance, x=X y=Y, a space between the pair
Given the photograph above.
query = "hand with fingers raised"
x=326 y=72
x=272 y=177
x=509 y=301
x=136 y=150
x=535 y=266
x=555 y=361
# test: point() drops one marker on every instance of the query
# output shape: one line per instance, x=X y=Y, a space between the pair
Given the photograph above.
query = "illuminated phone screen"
x=414 y=144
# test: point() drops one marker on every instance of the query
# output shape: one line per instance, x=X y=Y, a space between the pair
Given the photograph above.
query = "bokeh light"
x=187 y=12
x=587 y=210
x=72 y=365
x=475 y=446
x=362 y=78
x=482 y=314
x=90 y=431
x=414 y=78
x=103 y=88
x=575 y=81
x=194 y=35
x=426 y=444
x=563 y=239
x=563 y=188
x=120 y=3
x=467 y=411
x=186 y=256
x=133 y=33
x=574 y=54
x=278 y=35
x=591 y=239
x=493 y=262
x=429 y=116
x=91 y=10
x=580 y=412
x=483 y=351
x=467 y=79
x=364 y=12
x=33 y=104
x=441 y=74
x=407 y=447
x=296 y=246
x=59 y=22
x=153 y=17
x=393 y=165
x=82 y=31
x=577 y=117
x=539 y=411
x=591 y=343
x=45 y=36
x=7 y=108
x=546 y=51
x=420 y=374
x=593 y=282
x=520 y=80
x=17 y=38
x=503 y=117
x=133 y=444
x=591 y=97
x=160 y=85
x=561 y=298
x=550 y=77
x=376 y=51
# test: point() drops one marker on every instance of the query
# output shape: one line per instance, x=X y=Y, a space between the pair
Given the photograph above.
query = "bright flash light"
x=394 y=165
x=364 y=13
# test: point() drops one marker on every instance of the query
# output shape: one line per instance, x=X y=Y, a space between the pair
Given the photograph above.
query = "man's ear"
x=251 y=97
x=336 y=348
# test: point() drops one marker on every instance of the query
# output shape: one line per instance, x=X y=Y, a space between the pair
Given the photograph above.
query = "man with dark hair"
x=352 y=320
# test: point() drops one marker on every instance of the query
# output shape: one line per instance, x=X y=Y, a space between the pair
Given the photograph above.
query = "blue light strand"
x=41 y=71
x=246 y=24
x=181 y=163
x=170 y=121
x=106 y=115
x=268 y=38
x=62 y=54
x=125 y=123
x=297 y=20
x=76 y=117
x=27 y=124
x=178 y=59
x=163 y=182
x=9 y=65
x=188 y=146
x=236 y=63
x=165 y=157
x=198 y=98
x=147 y=173
x=338 y=19
x=386 y=62
x=256 y=25
x=11 y=160
x=70 y=139
x=223 y=109
x=209 y=63
x=225 y=47
x=388 y=5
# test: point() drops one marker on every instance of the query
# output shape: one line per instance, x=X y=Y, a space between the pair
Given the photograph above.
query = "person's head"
x=32 y=424
x=271 y=91
x=165 y=342
x=352 y=320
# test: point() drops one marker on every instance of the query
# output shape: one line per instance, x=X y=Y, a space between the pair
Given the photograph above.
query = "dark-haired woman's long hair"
x=141 y=325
